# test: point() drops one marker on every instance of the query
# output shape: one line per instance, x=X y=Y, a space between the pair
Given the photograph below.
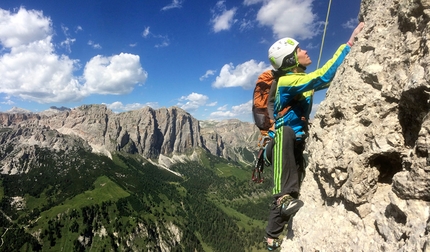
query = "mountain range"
x=147 y=180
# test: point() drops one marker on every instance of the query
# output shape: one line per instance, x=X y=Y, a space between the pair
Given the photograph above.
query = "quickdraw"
x=257 y=172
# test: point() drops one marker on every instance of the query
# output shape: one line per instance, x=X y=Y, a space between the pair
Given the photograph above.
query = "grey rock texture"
x=231 y=139
x=150 y=133
x=165 y=136
x=368 y=181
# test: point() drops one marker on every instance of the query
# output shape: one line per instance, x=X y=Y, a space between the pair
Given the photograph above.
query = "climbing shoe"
x=273 y=245
x=289 y=205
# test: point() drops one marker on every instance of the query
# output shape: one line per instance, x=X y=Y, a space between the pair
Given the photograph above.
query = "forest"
x=79 y=201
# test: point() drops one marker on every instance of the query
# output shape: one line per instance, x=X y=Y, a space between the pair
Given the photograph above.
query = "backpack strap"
x=272 y=95
x=285 y=110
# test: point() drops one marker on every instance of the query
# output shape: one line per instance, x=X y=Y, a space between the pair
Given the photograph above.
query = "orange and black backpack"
x=262 y=118
x=262 y=107
x=260 y=112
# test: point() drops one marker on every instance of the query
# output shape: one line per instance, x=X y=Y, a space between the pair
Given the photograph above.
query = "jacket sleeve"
x=293 y=84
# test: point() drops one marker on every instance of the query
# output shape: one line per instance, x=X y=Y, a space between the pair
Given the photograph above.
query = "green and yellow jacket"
x=294 y=92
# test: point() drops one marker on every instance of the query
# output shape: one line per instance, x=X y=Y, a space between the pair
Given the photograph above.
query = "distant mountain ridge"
x=156 y=134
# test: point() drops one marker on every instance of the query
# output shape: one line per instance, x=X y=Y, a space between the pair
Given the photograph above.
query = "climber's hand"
x=356 y=31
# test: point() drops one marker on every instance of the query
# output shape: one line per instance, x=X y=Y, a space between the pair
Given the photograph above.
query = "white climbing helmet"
x=281 y=49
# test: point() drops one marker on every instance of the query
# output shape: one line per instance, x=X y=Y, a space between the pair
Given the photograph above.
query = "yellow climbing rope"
x=323 y=37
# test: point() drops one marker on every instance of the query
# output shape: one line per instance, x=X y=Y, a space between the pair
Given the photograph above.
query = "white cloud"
x=235 y=112
x=34 y=72
x=223 y=108
x=164 y=39
x=207 y=74
x=94 y=45
x=163 y=43
x=120 y=107
x=219 y=115
x=78 y=28
x=222 y=18
x=246 y=25
x=8 y=102
x=146 y=32
x=288 y=18
x=212 y=104
x=314 y=110
x=242 y=109
x=173 y=5
x=68 y=44
x=113 y=75
x=350 y=24
x=23 y=27
x=192 y=102
x=31 y=69
x=243 y=75
x=249 y=2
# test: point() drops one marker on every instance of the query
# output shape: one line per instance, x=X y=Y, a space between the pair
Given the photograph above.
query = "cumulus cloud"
x=234 y=112
x=23 y=27
x=243 y=75
x=113 y=75
x=175 y=4
x=31 y=69
x=120 y=107
x=288 y=18
x=222 y=18
x=192 y=102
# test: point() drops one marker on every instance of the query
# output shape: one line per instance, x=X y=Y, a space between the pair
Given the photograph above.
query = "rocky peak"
x=154 y=134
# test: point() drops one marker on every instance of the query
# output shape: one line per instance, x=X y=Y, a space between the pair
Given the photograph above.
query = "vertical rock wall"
x=368 y=181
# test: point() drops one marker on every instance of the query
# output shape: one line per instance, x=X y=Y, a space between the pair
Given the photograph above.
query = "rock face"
x=232 y=139
x=154 y=134
x=146 y=131
x=368 y=181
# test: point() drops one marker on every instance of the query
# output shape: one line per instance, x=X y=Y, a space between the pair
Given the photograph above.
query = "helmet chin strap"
x=290 y=69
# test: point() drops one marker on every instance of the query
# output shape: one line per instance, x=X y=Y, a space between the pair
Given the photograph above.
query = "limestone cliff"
x=368 y=181
x=165 y=135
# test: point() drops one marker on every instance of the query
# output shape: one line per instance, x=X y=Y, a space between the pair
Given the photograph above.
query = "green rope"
x=323 y=37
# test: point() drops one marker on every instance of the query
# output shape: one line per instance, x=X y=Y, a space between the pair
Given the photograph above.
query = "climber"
x=285 y=55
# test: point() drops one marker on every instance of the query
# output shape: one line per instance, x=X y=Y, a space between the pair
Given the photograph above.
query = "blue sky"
x=201 y=55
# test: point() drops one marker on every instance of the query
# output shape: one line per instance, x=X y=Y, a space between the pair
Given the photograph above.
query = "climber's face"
x=303 y=57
